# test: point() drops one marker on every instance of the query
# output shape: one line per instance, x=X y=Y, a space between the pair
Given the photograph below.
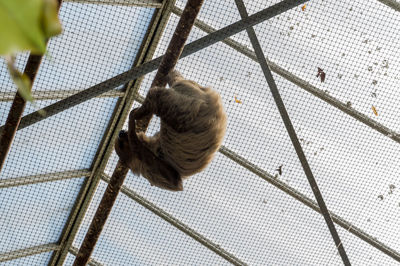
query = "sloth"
x=193 y=124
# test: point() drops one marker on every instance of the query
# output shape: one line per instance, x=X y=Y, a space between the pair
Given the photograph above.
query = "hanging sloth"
x=193 y=124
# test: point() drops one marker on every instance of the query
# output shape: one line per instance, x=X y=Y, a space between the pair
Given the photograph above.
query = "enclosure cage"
x=335 y=67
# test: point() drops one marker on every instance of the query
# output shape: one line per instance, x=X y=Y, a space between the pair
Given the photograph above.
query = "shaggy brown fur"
x=193 y=124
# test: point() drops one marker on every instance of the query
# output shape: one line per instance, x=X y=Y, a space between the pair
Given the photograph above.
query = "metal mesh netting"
x=98 y=42
x=241 y=207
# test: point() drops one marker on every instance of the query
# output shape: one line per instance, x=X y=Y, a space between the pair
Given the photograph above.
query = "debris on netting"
x=303 y=7
x=374 y=110
x=321 y=74
x=380 y=197
x=237 y=100
x=279 y=169
x=391 y=189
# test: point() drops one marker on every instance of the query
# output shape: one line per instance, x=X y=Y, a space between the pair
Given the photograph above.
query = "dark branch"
x=8 y=131
x=110 y=195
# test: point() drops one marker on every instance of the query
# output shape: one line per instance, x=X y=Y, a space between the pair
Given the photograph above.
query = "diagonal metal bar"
x=392 y=4
x=152 y=65
x=41 y=178
x=178 y=224
x=292 y=134
x=20 y=253
x=138 y=3
x=167 y=64
x=301 y=83
x=58 y=95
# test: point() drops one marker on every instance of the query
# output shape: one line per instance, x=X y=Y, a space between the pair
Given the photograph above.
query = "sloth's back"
x=202 y=119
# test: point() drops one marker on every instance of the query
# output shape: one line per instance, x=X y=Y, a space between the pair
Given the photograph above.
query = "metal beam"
x=292 y=134
x=392 y=4
x=301 y=83
x=373 y=241
x=20 y=253
x=41 y=178
x=178 y=224
x=58 y=95
x=92 y=262
x=138 y=3
x=152 y=65
x=153 y=35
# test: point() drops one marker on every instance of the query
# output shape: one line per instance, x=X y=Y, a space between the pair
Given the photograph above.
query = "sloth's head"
x=122 y=147
x=142 y=161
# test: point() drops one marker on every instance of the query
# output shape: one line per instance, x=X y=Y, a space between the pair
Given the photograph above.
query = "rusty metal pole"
x=18 y=107
x=168 y=63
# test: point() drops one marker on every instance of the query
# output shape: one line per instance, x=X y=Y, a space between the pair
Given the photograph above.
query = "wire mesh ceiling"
x=335 y=64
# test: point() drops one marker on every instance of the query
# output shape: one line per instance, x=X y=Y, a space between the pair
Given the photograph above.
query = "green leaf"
x=21 y=80
x=27 y=24
x=24 y=87
x=50 y=24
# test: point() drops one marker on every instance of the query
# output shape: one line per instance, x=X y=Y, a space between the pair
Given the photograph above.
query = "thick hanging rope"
x=167 y=64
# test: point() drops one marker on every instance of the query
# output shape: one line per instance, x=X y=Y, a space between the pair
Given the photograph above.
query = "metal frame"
x=292 y=133
x=20 y=253
x=157 y=25
x=120 y=114
x=339 y=243
x=41 y=178
x=271 y=11
x=392 y=4
x=58 y=95
x=138 y=3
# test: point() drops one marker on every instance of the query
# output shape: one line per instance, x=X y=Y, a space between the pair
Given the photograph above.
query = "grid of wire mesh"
x=230 y=206
x=98 y=42
x=350 y=42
